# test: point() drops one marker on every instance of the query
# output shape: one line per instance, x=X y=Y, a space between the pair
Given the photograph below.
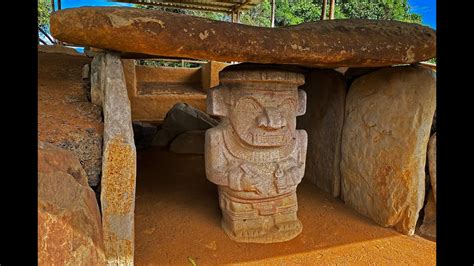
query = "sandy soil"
x=178 y=222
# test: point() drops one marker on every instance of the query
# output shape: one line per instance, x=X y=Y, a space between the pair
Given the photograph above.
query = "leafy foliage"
x=197 y=13
x=293 y=12
x=44 y=11
x=380 y=9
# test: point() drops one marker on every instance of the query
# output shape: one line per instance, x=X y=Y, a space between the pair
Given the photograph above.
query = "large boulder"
x=428 y=228
x=189 y=142
x=327 y=43
x=326 y=92
x=69 y=222
x=58 y=49
x=179 y=119
x=432 y=163
x=386 y=130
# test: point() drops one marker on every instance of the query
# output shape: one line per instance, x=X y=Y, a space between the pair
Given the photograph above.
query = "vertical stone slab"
x=428 y=228
x=210 y=74
x=326 y=92
x=118 y=167
x=385 y=135
x=432 y=163
x=97 y=78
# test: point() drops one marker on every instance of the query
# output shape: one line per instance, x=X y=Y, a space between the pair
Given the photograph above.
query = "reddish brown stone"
x=69 y=227
x=118 y=167
x=65 y=117
x=328 y=43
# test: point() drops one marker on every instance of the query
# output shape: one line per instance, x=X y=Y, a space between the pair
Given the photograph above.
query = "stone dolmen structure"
x=369 y=109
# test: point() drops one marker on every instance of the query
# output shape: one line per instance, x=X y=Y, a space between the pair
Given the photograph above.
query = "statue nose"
x=271 y=118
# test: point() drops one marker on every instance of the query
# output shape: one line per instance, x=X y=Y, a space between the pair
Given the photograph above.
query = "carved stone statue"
x=256 y=156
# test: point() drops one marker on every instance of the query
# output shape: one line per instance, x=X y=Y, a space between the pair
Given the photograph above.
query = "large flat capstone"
x=327 y=43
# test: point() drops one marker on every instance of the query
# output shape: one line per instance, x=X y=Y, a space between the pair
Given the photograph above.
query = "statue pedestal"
x=256 y=156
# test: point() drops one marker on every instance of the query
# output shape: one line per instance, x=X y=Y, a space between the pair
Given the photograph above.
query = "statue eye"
x=248 y=105
x=288 y=104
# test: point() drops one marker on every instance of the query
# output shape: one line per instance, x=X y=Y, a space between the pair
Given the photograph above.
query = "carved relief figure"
x=256 y=156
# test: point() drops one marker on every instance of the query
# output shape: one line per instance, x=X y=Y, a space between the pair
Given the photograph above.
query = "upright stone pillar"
x=256 y=156
x=119 y=166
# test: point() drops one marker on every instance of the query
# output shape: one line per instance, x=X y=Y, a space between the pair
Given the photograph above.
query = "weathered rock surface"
x=189 y=142
x=433 y=126
x=65 y=117
x=118 y=168
x=69 y=227
x=58 y=49
x=97 y=78
x=153 y=91
x=182 y=118
x=428 y=228
x=353 y=73
x=86 y=71
x=326 y=92
x=432 y=163
x=327 y=43
x=386 y=129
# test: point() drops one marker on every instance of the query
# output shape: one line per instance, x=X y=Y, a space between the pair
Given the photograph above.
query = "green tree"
x=380 y=9
x=197 y=13
x=293 y=12
x=44 y=11
x=259 y=15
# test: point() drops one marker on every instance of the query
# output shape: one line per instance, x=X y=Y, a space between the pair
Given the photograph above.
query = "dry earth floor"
x=177 y=222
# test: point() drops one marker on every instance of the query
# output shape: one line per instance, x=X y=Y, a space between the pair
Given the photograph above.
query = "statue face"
x=264 y=118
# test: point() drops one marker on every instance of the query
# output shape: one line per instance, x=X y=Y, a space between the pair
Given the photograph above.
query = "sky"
x=427 y=9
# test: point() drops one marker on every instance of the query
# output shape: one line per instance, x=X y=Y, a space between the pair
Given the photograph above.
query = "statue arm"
x=298 y=171
x=294 y=166
x=215 y=162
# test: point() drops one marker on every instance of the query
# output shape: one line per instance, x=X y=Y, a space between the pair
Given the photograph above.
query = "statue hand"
x=251 y=180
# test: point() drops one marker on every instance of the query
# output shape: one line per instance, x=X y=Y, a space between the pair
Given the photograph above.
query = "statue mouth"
x=269 y=139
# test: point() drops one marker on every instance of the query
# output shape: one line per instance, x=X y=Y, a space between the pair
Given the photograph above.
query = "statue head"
x=261 y=105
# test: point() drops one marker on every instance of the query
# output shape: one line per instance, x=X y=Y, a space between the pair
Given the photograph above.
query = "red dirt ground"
x=177 y=222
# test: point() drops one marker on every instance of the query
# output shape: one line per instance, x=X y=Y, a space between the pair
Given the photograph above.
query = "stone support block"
x=97 y=78
x=326 y=92
x=387 y=123
x=210 y=74
x=118 y=167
